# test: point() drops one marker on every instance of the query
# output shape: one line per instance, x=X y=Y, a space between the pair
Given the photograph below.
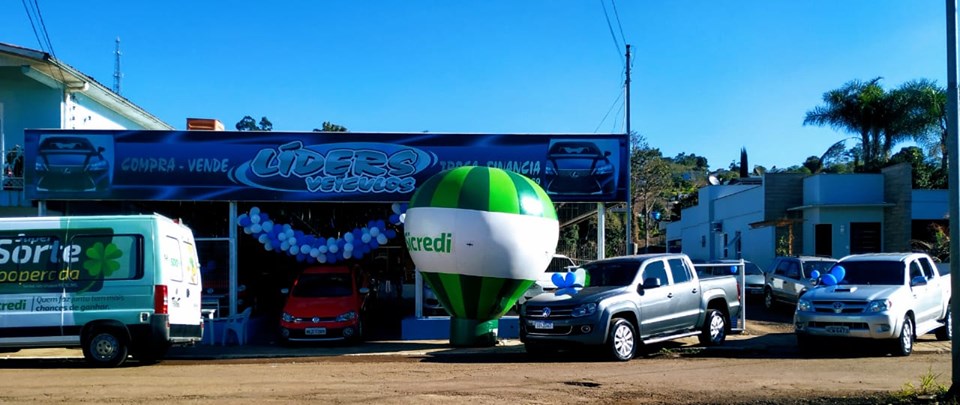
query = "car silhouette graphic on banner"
x=579 y=167
x=72 y=163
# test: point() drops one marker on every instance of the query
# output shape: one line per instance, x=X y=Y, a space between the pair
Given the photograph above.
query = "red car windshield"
x=323 y=285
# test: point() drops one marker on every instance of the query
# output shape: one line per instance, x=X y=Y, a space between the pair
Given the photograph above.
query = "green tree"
x=328 y=126
x=247 y=123
x=651 y=183
x=855 y=107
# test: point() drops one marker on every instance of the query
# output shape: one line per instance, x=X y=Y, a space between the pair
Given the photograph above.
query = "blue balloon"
x=733 y=269
x=815 y=274
x=839 y=272
x=341 y=242
x=557 y=279
x=301 y=257
x=828 y=279
x=374 y=244
x=571 y=279
x=298 y=234
x=381 y=224
x=245 y=222
x=391 y=233
x=394 y=218
x=371 y=224
x=331 y=258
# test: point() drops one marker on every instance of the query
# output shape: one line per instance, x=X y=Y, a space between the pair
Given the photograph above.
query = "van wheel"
x=904 y=343
x=622 y=342
x=714 y=330
x=105 y=348
x=945 y=332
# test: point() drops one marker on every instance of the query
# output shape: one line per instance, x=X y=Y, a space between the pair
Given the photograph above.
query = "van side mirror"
x=364 y=290
x=651 y=282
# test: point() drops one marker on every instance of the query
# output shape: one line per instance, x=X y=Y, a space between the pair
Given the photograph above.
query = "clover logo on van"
x=102 y=259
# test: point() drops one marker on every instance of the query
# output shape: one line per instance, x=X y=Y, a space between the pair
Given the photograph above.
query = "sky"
x=708 y=77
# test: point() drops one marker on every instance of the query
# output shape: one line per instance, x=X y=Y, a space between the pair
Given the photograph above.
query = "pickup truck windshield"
x=873 y=273
x=611 y=274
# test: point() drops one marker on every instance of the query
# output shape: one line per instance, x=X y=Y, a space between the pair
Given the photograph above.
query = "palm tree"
x=929 y=115
x=855 y=107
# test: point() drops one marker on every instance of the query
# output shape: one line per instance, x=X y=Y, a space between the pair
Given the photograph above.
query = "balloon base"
x=473 y=333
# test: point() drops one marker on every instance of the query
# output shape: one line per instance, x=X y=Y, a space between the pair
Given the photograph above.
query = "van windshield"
x=323 y=285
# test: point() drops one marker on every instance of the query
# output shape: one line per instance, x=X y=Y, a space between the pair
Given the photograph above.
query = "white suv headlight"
x=584 y=310
x=804 y=306
x=879 y=306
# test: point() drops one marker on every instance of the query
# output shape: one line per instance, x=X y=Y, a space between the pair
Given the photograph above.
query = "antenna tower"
x=116 y=69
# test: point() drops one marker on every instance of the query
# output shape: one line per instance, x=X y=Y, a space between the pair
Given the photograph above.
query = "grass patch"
x=928 y=389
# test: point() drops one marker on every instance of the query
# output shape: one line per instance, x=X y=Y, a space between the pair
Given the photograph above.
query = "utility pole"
x=953 y=149
x=629 y=219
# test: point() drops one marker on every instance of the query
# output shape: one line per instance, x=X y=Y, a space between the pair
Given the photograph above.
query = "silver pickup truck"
x=893 y=296
x=628 y=301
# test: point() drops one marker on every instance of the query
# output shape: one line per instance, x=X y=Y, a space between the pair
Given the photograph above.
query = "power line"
x=614 y=104
x=616 y=43
x=617 y=14
x=26 y=8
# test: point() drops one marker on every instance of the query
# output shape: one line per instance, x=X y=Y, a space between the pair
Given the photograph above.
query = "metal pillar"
x=602 y=231
x=234 y=280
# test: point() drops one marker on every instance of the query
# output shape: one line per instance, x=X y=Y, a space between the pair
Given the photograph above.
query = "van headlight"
x=804 y=306
x=879 y=306
x=584 y=310
x=347 y=316
x=287 y=317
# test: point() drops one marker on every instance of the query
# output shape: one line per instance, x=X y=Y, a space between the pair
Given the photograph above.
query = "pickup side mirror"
x=918 y=281
x=651 y=282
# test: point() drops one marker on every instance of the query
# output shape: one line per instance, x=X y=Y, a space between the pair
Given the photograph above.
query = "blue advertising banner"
x=307 y=166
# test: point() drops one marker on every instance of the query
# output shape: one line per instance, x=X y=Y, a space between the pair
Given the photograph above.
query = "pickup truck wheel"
x=904 y=343
x=945 y=332
x=622 y=341
x=714 y=329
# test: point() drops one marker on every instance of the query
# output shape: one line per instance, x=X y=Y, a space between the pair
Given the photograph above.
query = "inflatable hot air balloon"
x=480 y=236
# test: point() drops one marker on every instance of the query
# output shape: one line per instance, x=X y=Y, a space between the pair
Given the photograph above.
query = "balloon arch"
x=351 y=244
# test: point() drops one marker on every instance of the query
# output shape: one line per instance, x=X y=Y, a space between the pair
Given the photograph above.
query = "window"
x=793 y=270
x=113 y=257
x=656 y=269
x=915 y=270
x=679 y=271
x=170 y=258
x=782 y=268
x=928 y=268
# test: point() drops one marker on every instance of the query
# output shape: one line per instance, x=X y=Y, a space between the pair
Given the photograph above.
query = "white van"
x=112 y=285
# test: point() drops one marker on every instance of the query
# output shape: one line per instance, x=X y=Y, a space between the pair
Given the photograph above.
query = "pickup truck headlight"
x=584 y=310
x=804 y=306
x=879 y=306
x=347 y=316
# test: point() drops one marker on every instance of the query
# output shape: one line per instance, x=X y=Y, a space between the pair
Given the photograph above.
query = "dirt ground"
x=760 y=366
x=668 y=375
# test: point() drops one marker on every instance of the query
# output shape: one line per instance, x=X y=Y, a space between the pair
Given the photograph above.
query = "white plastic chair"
x=238 y=325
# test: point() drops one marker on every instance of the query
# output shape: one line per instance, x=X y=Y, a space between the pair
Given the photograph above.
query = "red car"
x=324 y=304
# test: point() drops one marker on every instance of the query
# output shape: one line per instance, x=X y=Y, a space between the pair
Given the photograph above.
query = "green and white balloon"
x=480 y=237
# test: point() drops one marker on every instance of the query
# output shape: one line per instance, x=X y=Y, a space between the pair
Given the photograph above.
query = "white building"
x=824 y=214
x=38 y=91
